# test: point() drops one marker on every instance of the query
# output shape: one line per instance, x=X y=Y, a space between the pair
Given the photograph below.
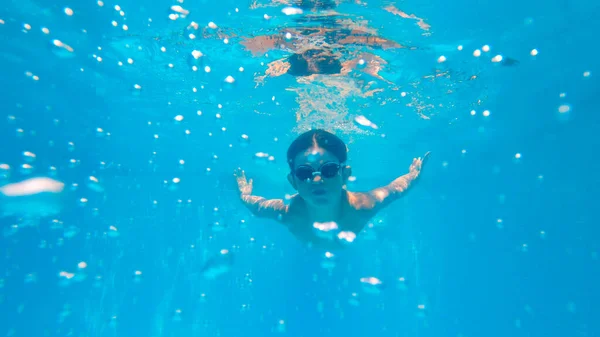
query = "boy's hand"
x=417 y=165
x=244 y=186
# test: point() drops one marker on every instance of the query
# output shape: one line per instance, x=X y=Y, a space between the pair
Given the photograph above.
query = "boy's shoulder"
x=295 y=202
x=361 y=201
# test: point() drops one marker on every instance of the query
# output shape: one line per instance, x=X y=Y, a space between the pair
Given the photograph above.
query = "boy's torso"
x=353 y=218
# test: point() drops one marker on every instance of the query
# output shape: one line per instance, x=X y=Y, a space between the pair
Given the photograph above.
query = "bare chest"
x=303 y=228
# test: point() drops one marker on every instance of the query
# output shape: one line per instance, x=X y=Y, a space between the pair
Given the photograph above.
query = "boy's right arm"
x=259 y=206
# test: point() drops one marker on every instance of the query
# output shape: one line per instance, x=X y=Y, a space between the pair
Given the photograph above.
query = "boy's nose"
x=317 y=178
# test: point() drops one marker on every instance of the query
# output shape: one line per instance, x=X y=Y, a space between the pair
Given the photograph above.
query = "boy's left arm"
x=383 y=196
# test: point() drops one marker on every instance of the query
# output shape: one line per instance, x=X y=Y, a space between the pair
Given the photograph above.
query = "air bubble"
x=281 y=326
x=26 y=169
x=52 y=171
x=565 y=108
x=497 y=59
x=261 y=157
x=291 y=11
x=180 y=10
x=113 y=232
x=363 y=121
x=244 y=140
x=137 y=276
x=63 y=50
x=346 y=237
x=371 y=285
x=402 y=284
x=4 y=171
x=94 y=185
x=29 y=156
x=564 y=112
x=177 y=315
x=326 y=230
x=353 y=300
x=217 y=226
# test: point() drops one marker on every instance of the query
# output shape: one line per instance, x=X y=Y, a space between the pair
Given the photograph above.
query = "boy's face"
x=321 y=188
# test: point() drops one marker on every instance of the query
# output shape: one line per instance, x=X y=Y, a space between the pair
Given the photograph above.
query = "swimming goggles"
x=307 y=172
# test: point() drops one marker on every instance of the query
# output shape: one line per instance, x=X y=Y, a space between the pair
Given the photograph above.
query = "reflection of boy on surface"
x=318 y=172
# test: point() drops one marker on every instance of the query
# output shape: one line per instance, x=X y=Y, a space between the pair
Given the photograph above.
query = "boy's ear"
x=346 y=172
x=291 y=180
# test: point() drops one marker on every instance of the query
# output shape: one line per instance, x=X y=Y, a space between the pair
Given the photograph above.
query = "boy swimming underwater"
x=319 y=174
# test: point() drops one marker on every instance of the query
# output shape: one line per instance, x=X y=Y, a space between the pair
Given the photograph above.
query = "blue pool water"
x=139 y=109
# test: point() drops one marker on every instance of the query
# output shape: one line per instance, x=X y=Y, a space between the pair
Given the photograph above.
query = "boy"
x=323 y=211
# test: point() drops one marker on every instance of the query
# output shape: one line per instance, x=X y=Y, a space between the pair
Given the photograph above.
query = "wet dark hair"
x=321 y=138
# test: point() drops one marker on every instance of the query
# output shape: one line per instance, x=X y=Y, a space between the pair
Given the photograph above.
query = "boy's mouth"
x=319 y=191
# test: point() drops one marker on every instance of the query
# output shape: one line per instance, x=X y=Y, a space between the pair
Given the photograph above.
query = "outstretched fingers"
x=239 y=173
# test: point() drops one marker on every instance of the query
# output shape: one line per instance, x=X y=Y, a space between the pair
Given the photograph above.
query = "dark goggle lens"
x=330 y=170
x=304 y=172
